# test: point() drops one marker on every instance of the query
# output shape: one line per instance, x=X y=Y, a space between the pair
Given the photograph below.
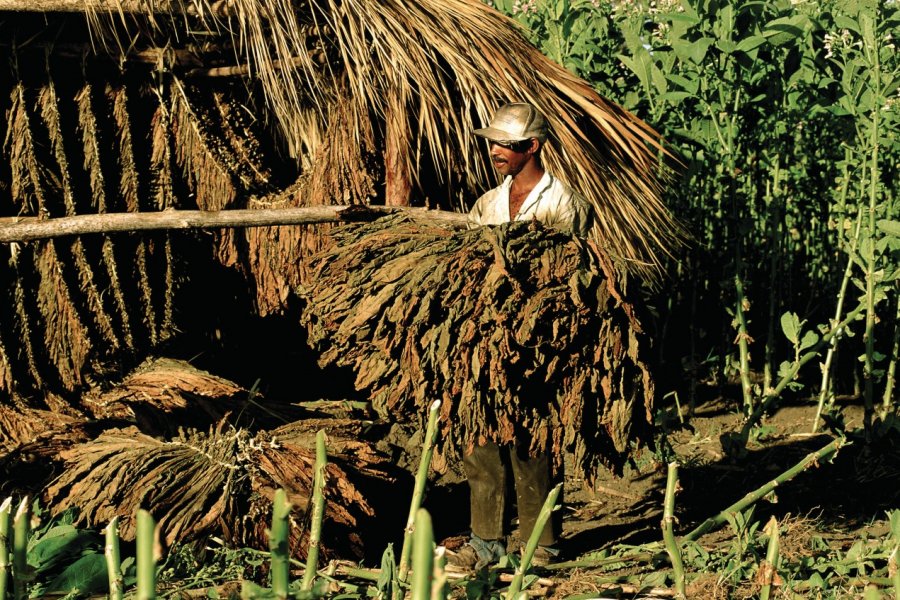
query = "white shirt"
x=551 y=202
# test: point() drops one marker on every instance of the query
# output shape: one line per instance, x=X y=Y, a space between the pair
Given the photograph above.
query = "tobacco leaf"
x=518 y=328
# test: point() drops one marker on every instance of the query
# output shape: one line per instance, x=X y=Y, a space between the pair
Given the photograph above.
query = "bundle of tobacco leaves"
x=518 y=329
x=218 y=483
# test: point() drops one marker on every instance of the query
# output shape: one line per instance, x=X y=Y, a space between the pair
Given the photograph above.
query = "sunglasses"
x=515 y=146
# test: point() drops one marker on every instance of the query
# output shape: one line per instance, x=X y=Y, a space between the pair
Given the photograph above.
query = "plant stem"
x=891 y=373
x=795 y=368
x=318 y=512
x=743 y=339
x=871 y=49
x=810 y=460
x=419 y=488
x=423 y=556
x=773 y=194
x=516 y=586
x=113 y=560
x=5 y=526
x=668 y=520
x=146 y=561
x=829 y=356
x=279 y=554
x=767 y=569
x=21 y=532
x=894 y=570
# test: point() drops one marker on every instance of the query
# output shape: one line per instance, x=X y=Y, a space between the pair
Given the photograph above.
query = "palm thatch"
x=520 y=330
x=423 y=76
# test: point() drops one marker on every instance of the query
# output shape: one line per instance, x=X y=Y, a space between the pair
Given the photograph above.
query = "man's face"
x=509 y=157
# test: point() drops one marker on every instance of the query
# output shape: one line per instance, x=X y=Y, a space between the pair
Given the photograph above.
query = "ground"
x=842 y=500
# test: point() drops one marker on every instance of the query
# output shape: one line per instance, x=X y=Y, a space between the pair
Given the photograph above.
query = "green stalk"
x=668 y=520
x=5 y=526
x=894 y=571
x=516 y=586
x=279 y=551
x=318 y=513
x=890 y=376
x=21 y=532
x=419 y=488
x=768 y=566
x=810 y=459
x=589 y=561
x=870 y=46
x=832 y=346
x=440 y=588
x=423 y=556
x=146 y=561
x=775 y=236
x=743 y=339
x=795 y=368
x=114 y=561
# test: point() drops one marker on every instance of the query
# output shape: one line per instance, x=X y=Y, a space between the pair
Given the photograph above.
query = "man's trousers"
x=486 y=473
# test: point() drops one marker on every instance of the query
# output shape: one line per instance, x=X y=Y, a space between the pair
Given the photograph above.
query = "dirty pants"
x=486 y=474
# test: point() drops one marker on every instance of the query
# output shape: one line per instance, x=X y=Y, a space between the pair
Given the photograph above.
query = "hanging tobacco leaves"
x=518 y=329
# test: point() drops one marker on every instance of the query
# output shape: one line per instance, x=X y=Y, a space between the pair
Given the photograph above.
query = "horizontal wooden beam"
x=23 y=229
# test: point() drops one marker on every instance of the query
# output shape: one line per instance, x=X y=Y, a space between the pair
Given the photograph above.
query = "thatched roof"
x=148 y=105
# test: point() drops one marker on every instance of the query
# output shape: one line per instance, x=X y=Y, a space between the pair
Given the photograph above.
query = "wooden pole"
x=23 y=229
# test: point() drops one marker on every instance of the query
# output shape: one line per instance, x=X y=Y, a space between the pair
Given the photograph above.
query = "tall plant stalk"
x=318 y=512
x=722 y=517
x=668 y=529
x=515 y=587
x=768 y=568
x=21 y=532
x=419 y=488
x=773 y=193
x=5 y=528
x=113 y=560
x=825 y=387
x=423 y=556
x=146 y=558
x=279 y=553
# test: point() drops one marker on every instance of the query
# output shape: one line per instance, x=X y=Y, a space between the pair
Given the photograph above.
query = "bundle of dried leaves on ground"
x=198 y=481
x=518 y=329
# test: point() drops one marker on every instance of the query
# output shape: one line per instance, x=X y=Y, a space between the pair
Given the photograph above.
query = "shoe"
x=475 y=554
x=544 y=555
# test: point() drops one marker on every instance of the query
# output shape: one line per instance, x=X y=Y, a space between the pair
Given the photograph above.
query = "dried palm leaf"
x=521 y=331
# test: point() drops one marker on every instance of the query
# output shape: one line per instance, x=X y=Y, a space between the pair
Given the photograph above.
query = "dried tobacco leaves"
x=518 y=329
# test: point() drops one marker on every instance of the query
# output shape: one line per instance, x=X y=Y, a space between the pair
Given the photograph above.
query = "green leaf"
x=846 y=23
x=889 y=227
x=694 y=51
x=87 y=576
x=58 y=544
x=750 y=43
x=790 y=325
x=810 y=339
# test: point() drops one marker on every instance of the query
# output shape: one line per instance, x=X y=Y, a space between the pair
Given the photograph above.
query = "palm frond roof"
x=429 y=73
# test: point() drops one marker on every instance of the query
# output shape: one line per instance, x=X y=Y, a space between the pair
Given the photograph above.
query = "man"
x=516 y=136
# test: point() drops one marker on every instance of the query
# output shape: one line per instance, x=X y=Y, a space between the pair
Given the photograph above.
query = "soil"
x=842 y=500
